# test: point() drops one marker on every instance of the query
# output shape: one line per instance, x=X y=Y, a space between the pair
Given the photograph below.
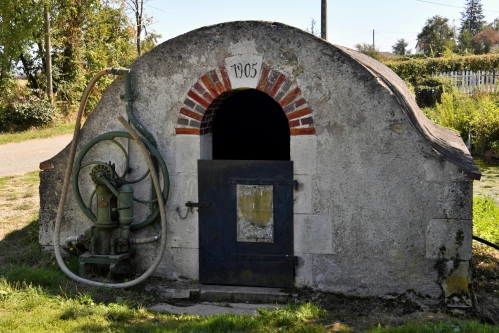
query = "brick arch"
x=211 y=90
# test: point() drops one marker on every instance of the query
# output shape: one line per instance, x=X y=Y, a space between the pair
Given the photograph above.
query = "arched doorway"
x=246 y=194
x=250 y=125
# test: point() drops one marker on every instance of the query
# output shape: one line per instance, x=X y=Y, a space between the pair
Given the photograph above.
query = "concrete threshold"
x=217 y=293
x=197 y=299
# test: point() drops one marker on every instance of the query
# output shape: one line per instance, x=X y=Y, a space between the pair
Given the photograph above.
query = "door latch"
x=191 y=204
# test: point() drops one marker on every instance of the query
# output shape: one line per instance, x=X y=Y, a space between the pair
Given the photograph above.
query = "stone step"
x=218 y=293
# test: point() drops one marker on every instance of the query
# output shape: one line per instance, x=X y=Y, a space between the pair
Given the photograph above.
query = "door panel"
x=246 y=233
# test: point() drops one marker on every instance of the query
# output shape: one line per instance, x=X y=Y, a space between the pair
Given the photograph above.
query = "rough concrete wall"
x=379 y=210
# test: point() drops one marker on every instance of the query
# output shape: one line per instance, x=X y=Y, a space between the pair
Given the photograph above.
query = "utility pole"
x=324 y=20
x=374 y=46
x=48 y=53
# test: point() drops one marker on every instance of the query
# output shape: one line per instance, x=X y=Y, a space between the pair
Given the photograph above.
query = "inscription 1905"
x=247 y=70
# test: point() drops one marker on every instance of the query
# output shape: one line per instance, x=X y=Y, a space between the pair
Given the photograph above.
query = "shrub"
x=477 y=115
x=484 y=123
x=22 y=109
x=429 y=91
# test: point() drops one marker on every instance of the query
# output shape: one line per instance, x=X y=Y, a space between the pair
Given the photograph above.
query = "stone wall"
x=383 y=205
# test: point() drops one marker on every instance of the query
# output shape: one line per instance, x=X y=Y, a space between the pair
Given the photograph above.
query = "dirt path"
x=19 y=158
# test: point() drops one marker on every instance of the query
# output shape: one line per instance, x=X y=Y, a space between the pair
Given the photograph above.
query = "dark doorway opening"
x=251 y=125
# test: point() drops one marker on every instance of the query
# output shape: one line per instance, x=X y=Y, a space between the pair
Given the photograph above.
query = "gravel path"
x=22 y=157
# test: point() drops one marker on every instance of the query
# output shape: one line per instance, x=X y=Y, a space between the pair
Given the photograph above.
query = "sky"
x=349 y=21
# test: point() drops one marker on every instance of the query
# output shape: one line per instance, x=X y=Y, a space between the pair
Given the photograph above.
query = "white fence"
x=469 y=82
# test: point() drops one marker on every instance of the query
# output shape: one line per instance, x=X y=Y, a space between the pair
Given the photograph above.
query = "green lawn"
x=59 y=129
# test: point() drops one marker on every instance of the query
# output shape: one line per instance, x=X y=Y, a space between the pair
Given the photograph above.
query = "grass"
x=80 y=313
x=486 y=218
x=58 y=129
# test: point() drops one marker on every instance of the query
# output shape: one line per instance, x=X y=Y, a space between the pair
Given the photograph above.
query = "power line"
x=398 y=32
x=442 y=4
x=365 y=33
x=164 y=11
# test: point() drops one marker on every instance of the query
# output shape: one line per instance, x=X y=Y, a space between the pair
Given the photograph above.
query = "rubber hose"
x=486 y=242
x=62 y=201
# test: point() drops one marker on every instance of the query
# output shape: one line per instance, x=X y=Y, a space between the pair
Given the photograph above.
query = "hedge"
x=415 y=70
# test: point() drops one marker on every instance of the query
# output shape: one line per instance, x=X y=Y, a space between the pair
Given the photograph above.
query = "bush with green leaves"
x=429 y=91
x=477 y=115
x=22 y=108
x=416 y=70
x=484 y=123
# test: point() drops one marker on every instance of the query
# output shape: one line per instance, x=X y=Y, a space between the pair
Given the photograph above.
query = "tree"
x=494 y=25
x=369 y=50
x=313 y=30
x=19 y=20
x=436 y=36
x=142 y=22
x=88 y=35
x=472 y=18
x=400 y=47
x=487 y=39
x=472 y=22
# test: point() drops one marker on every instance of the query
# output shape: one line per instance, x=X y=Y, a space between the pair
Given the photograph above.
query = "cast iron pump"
x=109 y=240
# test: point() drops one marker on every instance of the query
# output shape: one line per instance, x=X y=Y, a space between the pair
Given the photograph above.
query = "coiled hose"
x=65 y=186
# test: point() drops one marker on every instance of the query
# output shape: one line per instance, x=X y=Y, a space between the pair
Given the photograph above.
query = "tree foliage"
x=19 y=21
x=436 y=36
x=487 y=39
x=400 y=47
x=472 y=18
x=369 y=50
x=472 y=22
x=86 y=35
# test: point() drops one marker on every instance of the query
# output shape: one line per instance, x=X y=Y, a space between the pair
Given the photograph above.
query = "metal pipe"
x=324 y=19
x=69 y=241
x=145 y=240
x=128 y=97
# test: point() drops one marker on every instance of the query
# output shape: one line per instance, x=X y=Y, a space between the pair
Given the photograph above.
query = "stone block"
x=206 y=142
x=456 y=289
x=179 y=263
x=244 y=70
x=187 y=151
x=303 y=271
x=449 y=238
x=183 y=188
x=303 y=195
x=304 y=154
x=313 y=234
x=458 y=200
x=183 y=229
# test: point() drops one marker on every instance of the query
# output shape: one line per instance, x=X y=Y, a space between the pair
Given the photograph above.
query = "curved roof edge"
x=446 y=142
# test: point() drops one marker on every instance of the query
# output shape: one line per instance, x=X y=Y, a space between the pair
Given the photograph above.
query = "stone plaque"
x=244 y=70
x=255 y=213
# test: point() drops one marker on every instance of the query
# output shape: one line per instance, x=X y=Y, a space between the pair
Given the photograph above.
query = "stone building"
x=357 y=192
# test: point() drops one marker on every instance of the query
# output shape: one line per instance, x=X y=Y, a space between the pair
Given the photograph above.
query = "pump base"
x=111 y=260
